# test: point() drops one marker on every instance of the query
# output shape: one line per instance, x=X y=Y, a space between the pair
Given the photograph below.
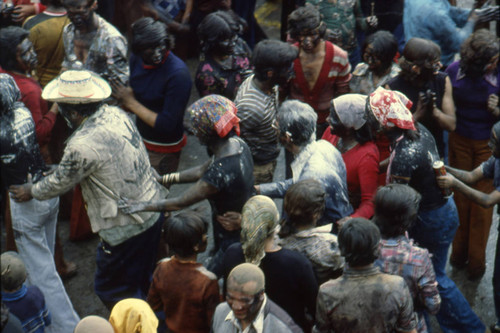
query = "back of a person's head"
x=396 y=208
x=259 y=222
x=93 y=324
x=13 y=271
x=305 y=19
x=359 y=242
x=298 y=120
x=272 y=55
x=184 y=233
x=304 y=202
x=133 y=315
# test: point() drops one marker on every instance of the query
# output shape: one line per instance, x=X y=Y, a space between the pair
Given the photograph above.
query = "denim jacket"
x=318 y=160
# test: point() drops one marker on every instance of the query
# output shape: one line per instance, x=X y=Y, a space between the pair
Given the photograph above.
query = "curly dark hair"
x=477 y=51
x=305 y=18
x=146 y=32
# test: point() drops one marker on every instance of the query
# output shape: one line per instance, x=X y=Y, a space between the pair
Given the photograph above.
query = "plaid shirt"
x=398 y=256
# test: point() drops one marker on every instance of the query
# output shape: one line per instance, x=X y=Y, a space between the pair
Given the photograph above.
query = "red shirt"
x=188 y=294
x=31 y=96
x=362 y=164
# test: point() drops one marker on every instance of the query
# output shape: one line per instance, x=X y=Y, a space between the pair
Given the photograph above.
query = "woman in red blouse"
x=352 y=137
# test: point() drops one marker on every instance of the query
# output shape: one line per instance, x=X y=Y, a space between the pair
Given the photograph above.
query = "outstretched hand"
x=131 y=206
x=446 y=181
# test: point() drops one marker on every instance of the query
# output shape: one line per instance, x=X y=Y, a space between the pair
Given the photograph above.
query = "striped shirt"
x=257 y=113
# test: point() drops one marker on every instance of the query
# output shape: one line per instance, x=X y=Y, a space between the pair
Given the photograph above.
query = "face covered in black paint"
x=371 y=58
x=154 y=54
x=428 y=71
x=26 y=55
x=309 y=39
x=226 y=46
x=80 y=12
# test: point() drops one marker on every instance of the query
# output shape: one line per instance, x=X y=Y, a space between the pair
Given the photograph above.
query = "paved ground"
x=80 y=288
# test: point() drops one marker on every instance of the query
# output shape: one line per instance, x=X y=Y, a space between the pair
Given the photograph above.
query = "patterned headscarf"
x=133 y=315
x=214 y=113
x=259 y=220
x=350 y=109
x=9 y=92
x=391 y=108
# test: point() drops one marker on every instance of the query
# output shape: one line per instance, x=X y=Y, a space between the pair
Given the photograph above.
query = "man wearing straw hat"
x=106 y=155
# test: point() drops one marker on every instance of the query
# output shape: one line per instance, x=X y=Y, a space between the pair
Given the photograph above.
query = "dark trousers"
x=125 y=270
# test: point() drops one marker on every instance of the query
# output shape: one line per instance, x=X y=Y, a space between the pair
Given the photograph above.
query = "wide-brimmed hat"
x=77 y=87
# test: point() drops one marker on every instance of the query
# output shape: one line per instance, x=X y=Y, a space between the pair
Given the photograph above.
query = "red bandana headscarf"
x=391 y=108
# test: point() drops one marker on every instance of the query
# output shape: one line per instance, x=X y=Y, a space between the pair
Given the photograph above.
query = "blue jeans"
x=435 y=230
x=34 y=224
x=496 y=279
x=125 y=270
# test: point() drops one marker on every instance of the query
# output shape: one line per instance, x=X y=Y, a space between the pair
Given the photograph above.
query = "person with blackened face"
x=105 y=155
x=257 y=101
x=247 y=308
x=18 y=59
x=91 y=43
x=428 y=88
x=225 y=58
x=322 y=69
x=159 y=90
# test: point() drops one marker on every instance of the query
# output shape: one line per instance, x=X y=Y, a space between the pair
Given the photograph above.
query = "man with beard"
x=257 y=103
x=322 y=69
x=93 y=44
x=105 y=154
x=427 y=87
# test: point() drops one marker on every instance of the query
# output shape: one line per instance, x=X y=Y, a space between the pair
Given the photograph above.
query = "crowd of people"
x=383 y=112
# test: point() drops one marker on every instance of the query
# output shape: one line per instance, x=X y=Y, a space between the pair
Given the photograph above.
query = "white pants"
x=34 y=224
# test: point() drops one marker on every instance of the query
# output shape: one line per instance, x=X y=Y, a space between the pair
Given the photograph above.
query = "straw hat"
x=77 y=87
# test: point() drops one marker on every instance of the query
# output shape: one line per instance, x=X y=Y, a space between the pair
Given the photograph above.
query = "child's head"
x=13 y=271
x=185 y=233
